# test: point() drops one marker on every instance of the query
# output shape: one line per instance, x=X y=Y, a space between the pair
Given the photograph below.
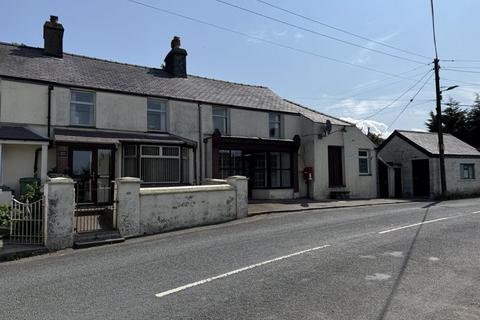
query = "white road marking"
x=433 y=259
x=396 y=254
x=224 y=275
x=428 y=221
x=414 y=225
x=378 y=277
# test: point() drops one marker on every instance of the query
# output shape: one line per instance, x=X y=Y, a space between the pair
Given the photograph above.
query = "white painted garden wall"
x=143 y=211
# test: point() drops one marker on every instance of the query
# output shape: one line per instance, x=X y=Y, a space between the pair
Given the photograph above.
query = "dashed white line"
x=224 y=275
x=425 y=222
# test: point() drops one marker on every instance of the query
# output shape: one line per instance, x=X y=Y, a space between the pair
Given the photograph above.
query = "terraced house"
x=95 y=120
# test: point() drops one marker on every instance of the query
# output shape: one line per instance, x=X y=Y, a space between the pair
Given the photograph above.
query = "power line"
x=399 y=97
x=265 y=40
x=341 y=30
x=411 y=100
x=460 y=70
x=433 y=29
x=463 y=82
x=315 y=32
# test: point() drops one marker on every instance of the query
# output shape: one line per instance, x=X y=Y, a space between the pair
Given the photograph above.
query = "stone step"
x=96 y=238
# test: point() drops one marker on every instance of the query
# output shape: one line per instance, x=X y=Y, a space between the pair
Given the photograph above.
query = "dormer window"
x=82 y=108
x=157 y=115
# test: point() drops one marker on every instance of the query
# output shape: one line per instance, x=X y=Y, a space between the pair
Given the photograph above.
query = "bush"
x=4 y=215
x=32 y=194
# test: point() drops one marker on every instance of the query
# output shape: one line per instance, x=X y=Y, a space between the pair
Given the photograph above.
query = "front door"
x=421 y=178
x=92 y=170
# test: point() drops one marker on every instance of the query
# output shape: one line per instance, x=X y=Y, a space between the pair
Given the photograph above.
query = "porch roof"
x=17 y=134
x=117 y=137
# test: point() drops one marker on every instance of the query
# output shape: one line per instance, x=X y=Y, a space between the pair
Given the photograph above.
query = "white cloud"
x=375 y=127
x=419 y=130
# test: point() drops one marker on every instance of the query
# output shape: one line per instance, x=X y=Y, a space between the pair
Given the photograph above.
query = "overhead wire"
x=342 y=30
x=410 y=102
x=400 y=96
x=316 y=32
x=265 y=40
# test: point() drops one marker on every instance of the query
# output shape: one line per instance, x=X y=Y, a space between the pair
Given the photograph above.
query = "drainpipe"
x=49 y=115
x=195 y=164
x=35 y=165
x=200 y=149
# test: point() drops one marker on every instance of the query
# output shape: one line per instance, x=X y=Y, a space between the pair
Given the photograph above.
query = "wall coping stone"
x=201 y=188
x=60 y=180
x=128 y=180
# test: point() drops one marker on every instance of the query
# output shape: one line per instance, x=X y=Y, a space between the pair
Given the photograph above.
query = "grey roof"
x=19 y=133
x=25 y=62
x=429 y=142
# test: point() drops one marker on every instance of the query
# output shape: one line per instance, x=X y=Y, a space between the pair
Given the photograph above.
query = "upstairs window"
x=467 y=171
x=82 y=108
x=364 y=162
x=275 y=125
x=157 y=115
x=220 y=119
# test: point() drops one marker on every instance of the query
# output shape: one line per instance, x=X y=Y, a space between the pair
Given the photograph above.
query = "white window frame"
x=279 y=122
x=164 y=112
x=462 y=171
x=92 y=104
x=366 y=157
x=161 y=156
x=225 y=119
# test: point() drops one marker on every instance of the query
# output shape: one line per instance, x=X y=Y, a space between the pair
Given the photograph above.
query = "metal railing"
x=26 y=225
x=96 y=218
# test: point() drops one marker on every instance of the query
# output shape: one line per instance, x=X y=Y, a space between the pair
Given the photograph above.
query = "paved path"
x=403 y=261
x=274 y=206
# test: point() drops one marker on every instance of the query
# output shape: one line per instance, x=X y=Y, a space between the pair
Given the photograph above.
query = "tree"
x=455 y=121
x=473 y=123
x=375 y=138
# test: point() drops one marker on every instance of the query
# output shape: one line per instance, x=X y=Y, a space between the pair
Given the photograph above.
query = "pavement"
x=274 y=206
x=417 y=260
x=10 y=250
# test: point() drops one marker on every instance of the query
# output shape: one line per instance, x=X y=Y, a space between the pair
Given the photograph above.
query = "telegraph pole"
x=441 y=146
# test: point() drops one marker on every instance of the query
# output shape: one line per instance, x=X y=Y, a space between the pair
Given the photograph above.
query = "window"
x=230 y=163
x=275 y=125
x=364 y=162
x=280 y=172
x=82 y=108
x=467 y=171
x=220 y=119
x=160 y=164
x=130 y=161
x=157 y=115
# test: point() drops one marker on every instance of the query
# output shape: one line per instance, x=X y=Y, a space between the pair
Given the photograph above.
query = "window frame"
x=472 y=172
x=135 y=157
x=92 y=117
x=166 y=114
x=225 y=118
x=160 y=156
x=367 y=158
x=279 y=122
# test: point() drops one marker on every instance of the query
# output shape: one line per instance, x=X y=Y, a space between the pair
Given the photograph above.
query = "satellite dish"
x=328 y=126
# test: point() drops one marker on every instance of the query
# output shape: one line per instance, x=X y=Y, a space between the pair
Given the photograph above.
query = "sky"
x=293 y=56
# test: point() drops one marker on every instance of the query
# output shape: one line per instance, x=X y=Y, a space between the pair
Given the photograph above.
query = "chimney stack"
x=53 y=37
x=176 y=60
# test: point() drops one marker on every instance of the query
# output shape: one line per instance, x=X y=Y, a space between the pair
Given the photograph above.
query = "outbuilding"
x=409 y=166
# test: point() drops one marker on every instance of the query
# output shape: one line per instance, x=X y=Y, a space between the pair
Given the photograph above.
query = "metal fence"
x=26 y=225
x=89 y=219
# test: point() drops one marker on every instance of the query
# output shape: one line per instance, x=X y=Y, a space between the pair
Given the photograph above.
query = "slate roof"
x=25 y=62
x=428 y=143
x=19 y=133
